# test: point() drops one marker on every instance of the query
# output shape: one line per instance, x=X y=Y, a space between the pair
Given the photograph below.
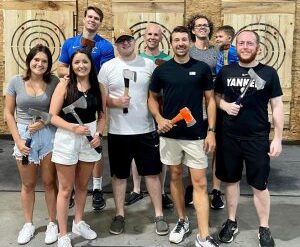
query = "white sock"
x=97 y=183
x=200 y=239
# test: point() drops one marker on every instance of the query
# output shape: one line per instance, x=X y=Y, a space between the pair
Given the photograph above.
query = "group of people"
x=141 y=94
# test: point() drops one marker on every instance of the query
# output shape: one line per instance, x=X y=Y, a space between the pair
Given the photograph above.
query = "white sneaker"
x=51 y=233
x=26 y=233
x=84 y=230
x=64 y=241
x=209 y=242
x=181 y=228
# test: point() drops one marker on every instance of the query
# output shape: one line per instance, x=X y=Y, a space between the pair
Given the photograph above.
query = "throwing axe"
x=259 y=84
x=80 y=103
x=128 y=75
x=184 y=114
x=45 y=117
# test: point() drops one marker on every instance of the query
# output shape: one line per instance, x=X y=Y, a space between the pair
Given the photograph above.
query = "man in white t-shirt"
x=131 y=135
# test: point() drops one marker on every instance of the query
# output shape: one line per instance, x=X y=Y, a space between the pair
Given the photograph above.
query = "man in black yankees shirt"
x=245 y=133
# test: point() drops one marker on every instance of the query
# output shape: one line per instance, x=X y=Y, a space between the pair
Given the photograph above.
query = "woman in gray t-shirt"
x=34 y=90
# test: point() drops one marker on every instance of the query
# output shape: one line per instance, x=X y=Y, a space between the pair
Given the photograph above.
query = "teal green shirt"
x=161 y=55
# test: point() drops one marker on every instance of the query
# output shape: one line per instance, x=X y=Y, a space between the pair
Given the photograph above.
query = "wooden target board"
x=28 y=23
x=274 y=23
x=137 y=14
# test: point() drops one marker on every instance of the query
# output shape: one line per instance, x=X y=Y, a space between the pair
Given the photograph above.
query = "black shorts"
x=143 y=148
x=233 y=152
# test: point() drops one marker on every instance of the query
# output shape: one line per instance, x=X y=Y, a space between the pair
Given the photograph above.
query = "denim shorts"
x=41 y=144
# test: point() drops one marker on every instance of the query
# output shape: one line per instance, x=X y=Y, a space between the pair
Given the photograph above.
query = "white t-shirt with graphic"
x=138 y=120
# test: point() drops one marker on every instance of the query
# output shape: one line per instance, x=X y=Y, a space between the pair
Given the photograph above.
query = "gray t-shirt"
x=208 y=56
x=16 y=88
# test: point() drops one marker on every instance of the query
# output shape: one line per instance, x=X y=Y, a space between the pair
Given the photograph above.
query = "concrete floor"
x=140 y=230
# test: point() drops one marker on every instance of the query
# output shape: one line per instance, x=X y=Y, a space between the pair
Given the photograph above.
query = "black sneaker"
x=216 y=199
x=166 y=201
x=188 y=197
x=98 y=200
x=133 y=197
x=265 y=237
x=229 y=229
x=72 y=199
x=117 y=225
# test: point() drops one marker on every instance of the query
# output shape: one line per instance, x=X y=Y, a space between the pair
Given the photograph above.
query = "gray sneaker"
x=117 y=225
x=162 y=227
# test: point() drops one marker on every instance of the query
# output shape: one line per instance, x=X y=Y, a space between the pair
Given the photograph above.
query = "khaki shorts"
x=69 y=148
x=188 y=152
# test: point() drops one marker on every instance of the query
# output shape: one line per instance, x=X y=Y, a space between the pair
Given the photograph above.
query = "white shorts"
x=69 y=148
x=188 y=152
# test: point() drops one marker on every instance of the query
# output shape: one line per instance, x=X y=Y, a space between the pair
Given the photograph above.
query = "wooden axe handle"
x=126 y=91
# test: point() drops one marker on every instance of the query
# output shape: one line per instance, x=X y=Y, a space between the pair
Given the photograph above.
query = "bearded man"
x=243 y=91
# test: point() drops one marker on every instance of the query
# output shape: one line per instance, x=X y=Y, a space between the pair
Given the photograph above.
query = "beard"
x=249 y=59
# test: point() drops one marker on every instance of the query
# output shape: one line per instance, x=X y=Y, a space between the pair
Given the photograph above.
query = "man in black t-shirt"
x=184 y=81
x=243 y=91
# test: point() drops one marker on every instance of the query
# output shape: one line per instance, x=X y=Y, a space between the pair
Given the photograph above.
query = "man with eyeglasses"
x=201 y=28
x=131 y=133
x=245 y=132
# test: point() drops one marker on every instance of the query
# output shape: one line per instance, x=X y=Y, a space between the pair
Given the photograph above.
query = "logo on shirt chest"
x=192 y=73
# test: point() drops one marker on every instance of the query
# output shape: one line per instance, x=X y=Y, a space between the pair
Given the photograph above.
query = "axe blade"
x=45 y=116
x=128 y=74
x=259 y=82
x=80 y=103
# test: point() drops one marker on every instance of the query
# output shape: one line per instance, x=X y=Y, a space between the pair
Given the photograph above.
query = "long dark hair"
x=33 y=51
x=72 y=90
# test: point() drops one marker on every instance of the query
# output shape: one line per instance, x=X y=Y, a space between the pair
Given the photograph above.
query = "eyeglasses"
x=201 y=25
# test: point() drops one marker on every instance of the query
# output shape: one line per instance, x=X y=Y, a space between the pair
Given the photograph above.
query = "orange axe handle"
x=177 y=118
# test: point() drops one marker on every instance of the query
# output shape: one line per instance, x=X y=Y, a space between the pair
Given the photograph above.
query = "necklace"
x=84 y=91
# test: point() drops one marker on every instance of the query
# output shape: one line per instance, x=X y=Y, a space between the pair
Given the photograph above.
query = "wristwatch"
x=211 y=129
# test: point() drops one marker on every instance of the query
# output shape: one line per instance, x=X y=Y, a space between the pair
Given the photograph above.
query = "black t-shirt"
x=252 y=120
x=87 y=115
x=183 y=86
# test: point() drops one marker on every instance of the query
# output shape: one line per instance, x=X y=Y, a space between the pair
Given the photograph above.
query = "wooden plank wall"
x=213 y=9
